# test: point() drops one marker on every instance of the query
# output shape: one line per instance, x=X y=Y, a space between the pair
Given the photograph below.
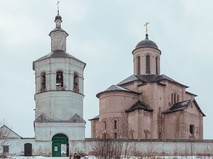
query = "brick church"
x=147 y=104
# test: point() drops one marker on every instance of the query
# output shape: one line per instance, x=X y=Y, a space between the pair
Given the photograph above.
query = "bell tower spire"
x=58 y=35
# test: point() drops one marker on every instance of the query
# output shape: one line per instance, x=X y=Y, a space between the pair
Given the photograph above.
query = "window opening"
x=174 y=97
x=59 y=79
x=191 y=129
x=148 y=64
x=139 y=65
x=156 y=61
x=5 y=149
x=115 y=124
x=43 y=82
x=76 y=82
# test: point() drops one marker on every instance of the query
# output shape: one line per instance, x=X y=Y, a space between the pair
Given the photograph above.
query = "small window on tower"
x=76 y=82
x=139 y=65
x=59 y=79
x=148 y=64
x=43 y=82
x=156 y=61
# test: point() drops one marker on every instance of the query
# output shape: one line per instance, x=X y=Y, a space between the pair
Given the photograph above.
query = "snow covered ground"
x=91 y=157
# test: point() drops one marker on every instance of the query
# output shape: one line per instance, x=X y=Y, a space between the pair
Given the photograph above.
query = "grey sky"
x=103 y=34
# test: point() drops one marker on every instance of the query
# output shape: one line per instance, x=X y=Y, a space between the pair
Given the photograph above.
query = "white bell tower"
x=59 y=81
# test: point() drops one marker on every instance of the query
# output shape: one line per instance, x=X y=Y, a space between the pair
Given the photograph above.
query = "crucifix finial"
x=58 y=6
x=146 y=27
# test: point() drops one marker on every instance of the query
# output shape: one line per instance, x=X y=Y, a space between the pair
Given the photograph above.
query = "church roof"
x=58 y=54
x=45 y=119
x=148 y=79
x=183 y=105
x=58 y=29
x=96 y=117
x=9 y=133
x=115 y=88
x=146 y=43
x=139 y=105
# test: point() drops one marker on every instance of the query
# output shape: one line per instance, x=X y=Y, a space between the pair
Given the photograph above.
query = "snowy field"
x=91 y=157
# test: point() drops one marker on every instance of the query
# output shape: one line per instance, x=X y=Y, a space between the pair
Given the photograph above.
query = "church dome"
x=58 y=17
x=146 y=44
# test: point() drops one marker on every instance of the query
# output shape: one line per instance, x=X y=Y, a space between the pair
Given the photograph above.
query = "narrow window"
x=174 y=97
x=191 y=129
x=104 y=125
x=139 y=65
x=43 y=81
x=76 y=82
x=156 y=61
x=5 y=149
x=59 y=79
x=115 y=124
x=115 y=135
x=148 y=64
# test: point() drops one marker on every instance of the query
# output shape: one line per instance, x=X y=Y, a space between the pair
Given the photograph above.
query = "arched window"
x=115 y=135
x=76 y=82
x=148 y=64
x=43 y=82
x=115 y=124
x=191 y=129
x=59 y=79
x=156 y=61
x=175 y=98
x=139 y=65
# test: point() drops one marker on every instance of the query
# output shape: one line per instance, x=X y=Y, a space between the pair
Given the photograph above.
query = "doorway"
x=60 y=146
x=28 y=149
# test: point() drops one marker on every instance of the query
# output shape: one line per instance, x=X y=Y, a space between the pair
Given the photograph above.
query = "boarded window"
x=76 y=82
x=59 y=79
x=5 y=149
x=139 y=65
x=148 y=64
x=43 y=81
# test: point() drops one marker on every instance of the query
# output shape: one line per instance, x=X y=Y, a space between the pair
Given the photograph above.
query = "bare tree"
x=107 y=149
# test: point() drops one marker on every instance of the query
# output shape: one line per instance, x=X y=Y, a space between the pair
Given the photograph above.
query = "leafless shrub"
x=107 y=149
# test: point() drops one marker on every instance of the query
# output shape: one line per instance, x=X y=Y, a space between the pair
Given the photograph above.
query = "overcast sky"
x=103 y=34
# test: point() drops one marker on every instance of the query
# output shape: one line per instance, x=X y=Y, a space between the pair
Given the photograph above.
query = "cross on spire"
x=58 y=6
x=146 y=27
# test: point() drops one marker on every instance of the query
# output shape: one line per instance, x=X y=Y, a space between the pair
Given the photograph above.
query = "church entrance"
x=28 y=149
x=60 y=146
